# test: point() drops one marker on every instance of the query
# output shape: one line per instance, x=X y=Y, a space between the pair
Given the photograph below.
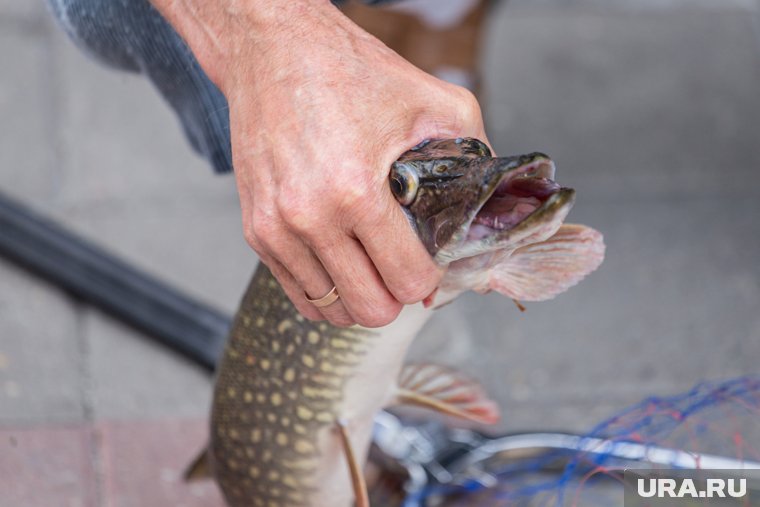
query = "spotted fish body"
x=284 y=382
x=282 y=385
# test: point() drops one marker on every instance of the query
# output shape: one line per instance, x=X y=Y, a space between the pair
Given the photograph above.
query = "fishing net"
x=715 y=425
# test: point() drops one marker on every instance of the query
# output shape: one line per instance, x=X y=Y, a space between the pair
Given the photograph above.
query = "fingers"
x=292 y=289
x=310 y=279
x=364 y=298
x=469 y=114
x=360 y=286
x=287 y=239
x=406 y=268
x=296 y=268
x=320 y=258
x=264 y=233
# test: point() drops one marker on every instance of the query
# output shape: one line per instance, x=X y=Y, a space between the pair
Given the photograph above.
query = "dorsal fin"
x=445 y=390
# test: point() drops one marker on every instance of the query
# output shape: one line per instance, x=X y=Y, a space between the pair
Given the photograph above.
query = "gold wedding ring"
x=325 y=300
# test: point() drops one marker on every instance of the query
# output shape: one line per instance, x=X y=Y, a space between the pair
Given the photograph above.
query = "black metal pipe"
x=102 y=280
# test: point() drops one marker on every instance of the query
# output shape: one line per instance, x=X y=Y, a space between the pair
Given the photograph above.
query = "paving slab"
x=41 y=360
x=27 y=106
x=24 y=11
x=143 y=463
x=132 y=377
x=44 y=466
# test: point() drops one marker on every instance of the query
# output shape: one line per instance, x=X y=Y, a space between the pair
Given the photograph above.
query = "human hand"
x=319 y=110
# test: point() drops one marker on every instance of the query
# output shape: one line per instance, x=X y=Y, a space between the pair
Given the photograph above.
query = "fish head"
x=465 y=202
x=473 y=211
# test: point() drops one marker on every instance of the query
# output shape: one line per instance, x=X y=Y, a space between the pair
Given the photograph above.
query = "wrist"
x=224 y=34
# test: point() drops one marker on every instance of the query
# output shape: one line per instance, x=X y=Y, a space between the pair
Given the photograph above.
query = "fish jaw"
x=538 y=225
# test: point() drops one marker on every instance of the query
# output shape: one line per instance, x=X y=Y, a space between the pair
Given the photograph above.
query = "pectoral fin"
x=199 y=468
x=542 y=270
x=357 y=477
x=446 y=390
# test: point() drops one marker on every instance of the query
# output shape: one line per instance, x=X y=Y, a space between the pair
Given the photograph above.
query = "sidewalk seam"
x=88 y=407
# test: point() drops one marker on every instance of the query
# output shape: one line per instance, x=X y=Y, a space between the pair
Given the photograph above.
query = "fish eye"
x=477 y=147
x=483 y=149
x=404 y=184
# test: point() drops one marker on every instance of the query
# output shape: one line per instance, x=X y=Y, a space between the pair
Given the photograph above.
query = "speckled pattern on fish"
x=267 y=413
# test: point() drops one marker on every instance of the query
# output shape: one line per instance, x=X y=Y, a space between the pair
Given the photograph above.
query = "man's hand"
x=319 y=110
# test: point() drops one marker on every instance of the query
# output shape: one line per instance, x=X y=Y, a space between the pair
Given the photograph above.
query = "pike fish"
x=294 y=400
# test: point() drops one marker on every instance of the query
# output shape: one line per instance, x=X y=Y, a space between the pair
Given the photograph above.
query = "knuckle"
x=248 y=234
x=295 y=210
x=250 y=237
x=379 y=316
x=411 y=294
x=469 y=100
x=355 y=197
x=263 y=228
x=469 y=107
x=415 y=290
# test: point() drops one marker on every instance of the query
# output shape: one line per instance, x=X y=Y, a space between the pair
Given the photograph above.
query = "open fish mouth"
x=518 y=194
x=524 y=204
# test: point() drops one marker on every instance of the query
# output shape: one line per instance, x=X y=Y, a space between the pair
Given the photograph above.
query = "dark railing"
x=99 y=278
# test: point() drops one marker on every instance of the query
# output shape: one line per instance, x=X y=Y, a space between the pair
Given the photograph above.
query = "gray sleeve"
x=131 y=35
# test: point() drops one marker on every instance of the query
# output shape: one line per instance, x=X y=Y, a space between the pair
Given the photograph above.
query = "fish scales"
x=280 y=384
